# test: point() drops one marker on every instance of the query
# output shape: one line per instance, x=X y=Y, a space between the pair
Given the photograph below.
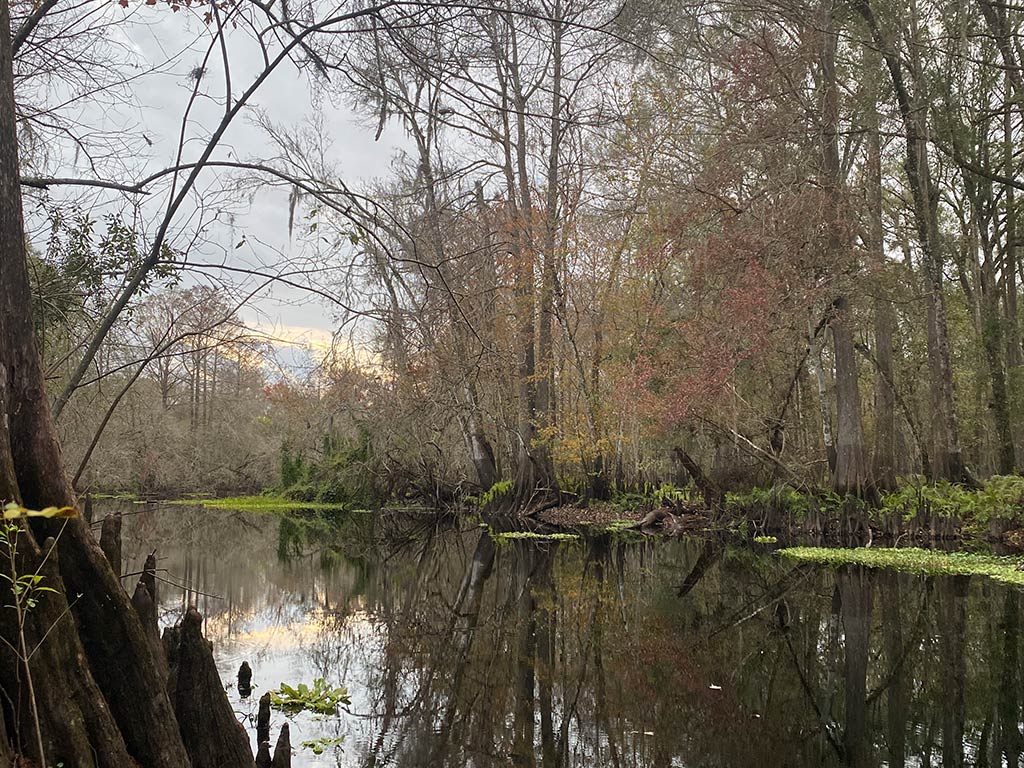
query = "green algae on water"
x=533 y=536
x=914 y=560
x=257 y=504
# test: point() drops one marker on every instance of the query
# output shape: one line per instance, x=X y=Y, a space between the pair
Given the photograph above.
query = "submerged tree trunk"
x=854 y=584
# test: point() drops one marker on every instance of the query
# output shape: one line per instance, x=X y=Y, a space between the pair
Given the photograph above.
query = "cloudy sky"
x=163 y=49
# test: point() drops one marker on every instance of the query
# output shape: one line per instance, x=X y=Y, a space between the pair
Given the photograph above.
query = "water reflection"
x=459 y=651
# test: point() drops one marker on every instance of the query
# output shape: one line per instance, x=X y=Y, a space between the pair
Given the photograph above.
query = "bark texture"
x=110 y=540
x=209 y=730
x=130 y=722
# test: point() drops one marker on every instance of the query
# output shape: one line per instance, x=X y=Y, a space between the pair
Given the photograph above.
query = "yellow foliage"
x=13 y=511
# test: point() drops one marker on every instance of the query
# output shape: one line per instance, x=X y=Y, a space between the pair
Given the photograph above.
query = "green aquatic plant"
x=913 y=560
x=319 y=746
x=263 y=503
x=616 y=526
x=319 y=697
x=533 y=536
x=668 y=494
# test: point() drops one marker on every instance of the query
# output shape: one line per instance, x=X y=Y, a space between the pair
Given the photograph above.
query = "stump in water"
x=263 y=720
x=283 y=750
x=148 y=576
x=263 y=759
x=212 y=736
x=110 y=540
x=245 y=680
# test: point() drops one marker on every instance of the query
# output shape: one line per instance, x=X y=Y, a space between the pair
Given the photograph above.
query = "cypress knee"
x=263 y=759
x=110 y=540
x=283 y=750
x=263 y=720
x=212 y=736
x=245 y=680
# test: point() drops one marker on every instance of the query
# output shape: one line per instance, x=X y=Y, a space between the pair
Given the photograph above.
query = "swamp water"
x=459 y=651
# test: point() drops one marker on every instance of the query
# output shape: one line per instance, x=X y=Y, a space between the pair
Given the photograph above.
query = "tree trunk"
x=947 y=460
x=75 y=723
x=106 y=644
x=824 y=410
x=850 y=471
x=992 y=341
x=6 y=755
x=883 y=470
x=850 y=474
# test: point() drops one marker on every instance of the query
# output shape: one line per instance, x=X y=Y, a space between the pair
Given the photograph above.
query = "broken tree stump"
x=110 y=540
x=212 y=736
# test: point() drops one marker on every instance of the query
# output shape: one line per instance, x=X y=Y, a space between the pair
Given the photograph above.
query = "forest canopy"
x=779 y=239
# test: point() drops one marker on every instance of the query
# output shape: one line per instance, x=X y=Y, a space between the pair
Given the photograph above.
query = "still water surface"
x=606 y=652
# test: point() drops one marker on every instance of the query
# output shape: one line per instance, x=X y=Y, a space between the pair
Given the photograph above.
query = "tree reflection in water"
x=463 y=651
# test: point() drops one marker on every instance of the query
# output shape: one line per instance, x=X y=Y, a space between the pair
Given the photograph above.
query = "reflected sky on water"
x=460 y=651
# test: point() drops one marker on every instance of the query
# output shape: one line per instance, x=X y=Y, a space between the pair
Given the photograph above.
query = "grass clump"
x=617 y=526
x=914 y=560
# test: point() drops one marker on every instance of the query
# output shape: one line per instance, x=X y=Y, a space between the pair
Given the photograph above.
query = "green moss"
x=914 y=560
x=257 y=504
x=615 y=526
x=120 y=496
